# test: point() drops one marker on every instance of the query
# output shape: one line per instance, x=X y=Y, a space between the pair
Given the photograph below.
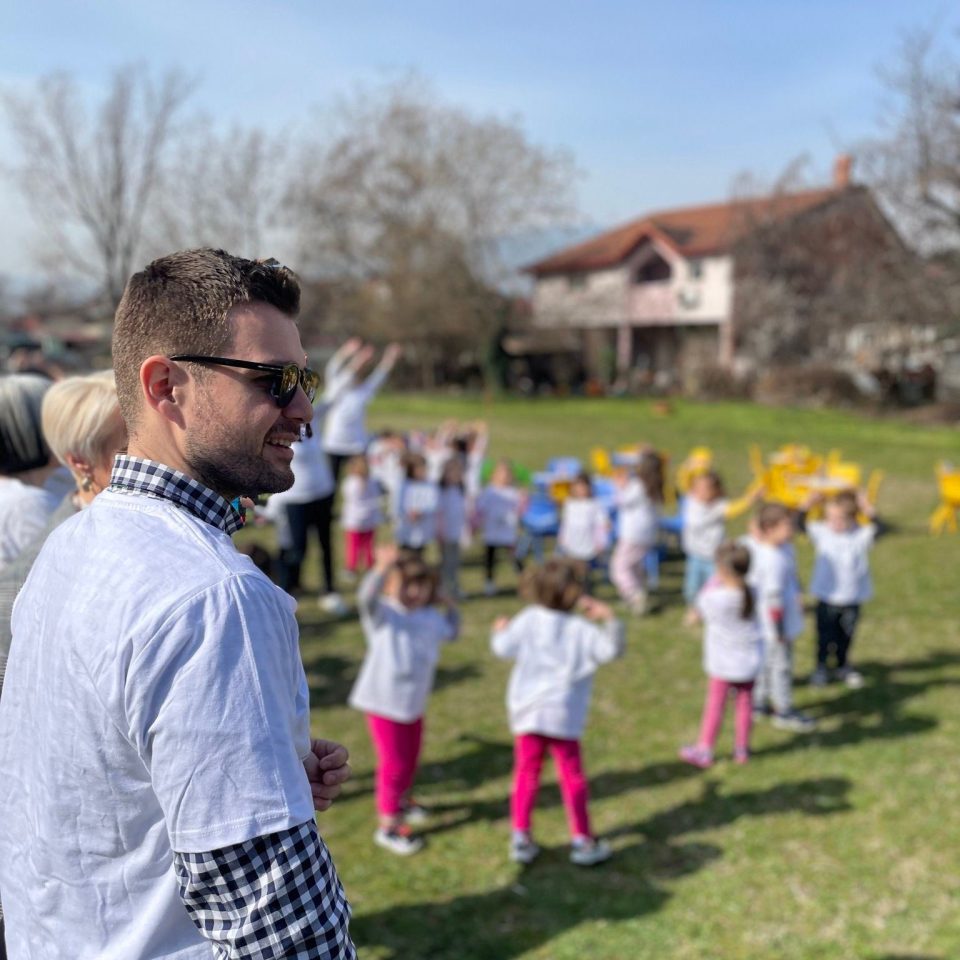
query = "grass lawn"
x=840 y=844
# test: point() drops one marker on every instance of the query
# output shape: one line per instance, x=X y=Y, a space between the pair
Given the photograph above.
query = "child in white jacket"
x=557 y=652
x=404 y=627
x=584 y=524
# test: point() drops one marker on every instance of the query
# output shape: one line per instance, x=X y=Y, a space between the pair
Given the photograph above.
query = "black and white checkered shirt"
x=273 y=896
x=135 y=475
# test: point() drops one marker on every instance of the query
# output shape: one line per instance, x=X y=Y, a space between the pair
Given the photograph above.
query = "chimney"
x=841 y=171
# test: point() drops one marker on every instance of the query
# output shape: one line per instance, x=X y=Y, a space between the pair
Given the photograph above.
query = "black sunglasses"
x=283 y=385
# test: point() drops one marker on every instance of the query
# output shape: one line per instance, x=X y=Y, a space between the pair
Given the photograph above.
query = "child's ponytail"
x=734 y=558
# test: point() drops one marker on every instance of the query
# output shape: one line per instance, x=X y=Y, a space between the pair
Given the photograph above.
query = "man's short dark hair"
x=179 y=304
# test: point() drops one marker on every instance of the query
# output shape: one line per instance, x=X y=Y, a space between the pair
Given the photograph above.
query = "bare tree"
x=410 y=199
x=222 y=189
x=914 y=161
x=89 y=181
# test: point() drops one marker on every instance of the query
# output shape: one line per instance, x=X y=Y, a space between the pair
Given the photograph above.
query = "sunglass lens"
x=310 y=380
x=286 y=384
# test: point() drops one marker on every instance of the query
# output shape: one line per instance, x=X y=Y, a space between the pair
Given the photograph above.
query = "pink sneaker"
x=697 y=756
x=741 y=756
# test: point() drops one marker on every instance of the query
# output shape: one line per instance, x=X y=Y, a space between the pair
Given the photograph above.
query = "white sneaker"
x=587 y=853
x=523 y=849
x=415 y=814
x=852 y=678
x=398 y=841
x=489 y=589
x=333 y=603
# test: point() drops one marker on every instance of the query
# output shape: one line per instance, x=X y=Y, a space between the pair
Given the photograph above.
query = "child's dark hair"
x=584 y=478
x=358 y=465
x=556 y=584
x=454 y=466
x=734 y=558
x=715 y=481
x=414 y=463
x=413 y=569
x=650 y=474
x=846 y=500
x=771 y=515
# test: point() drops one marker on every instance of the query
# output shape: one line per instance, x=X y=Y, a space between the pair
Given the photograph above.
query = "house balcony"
x=652 y=303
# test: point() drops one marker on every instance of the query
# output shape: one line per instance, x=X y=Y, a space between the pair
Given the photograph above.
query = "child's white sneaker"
x=333 y=603
x=414 y=814
x=588 y=851
x=523 y=849
x=852 y=678
x=397 y=840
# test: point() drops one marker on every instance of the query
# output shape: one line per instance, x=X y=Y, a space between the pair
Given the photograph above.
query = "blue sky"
x=661 y=104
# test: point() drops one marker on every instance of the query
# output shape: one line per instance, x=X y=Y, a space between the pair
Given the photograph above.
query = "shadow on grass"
x=876 y=711
x=551 y=897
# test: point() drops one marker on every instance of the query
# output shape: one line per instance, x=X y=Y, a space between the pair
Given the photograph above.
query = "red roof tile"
x=691 y=231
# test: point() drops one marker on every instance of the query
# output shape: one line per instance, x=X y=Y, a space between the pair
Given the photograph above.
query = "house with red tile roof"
x=659 y=294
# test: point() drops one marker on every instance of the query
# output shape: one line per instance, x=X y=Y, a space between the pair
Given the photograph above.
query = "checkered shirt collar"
x=135 y=475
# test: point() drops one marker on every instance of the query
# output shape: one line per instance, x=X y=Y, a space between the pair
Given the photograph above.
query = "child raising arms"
x=557 y=652
x=732 y=654
x=404 y=625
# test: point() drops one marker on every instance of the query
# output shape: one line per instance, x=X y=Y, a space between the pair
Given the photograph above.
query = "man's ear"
x=162 y=384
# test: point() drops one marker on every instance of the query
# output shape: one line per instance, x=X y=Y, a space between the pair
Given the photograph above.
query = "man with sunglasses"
x=159 y=778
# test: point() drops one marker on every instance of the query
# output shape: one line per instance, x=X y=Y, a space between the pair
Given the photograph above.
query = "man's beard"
x=233 y=474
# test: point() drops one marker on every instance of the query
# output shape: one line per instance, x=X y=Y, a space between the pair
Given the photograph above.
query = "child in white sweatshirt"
x=417 y=504
x=584 y=524
x=404 y=624
x=499 y=508
x=557 y=652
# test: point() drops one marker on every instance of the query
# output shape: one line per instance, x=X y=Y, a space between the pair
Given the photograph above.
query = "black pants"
x=302 y=517
x=490 y=559
x=835 y=626
x=337 y=460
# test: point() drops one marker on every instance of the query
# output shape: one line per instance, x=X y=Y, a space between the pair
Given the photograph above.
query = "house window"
x=654 y=270
x=577 y=281
x=696 y=269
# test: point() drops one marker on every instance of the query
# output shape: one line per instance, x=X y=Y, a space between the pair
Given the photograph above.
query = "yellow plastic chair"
x=600 y=462
x=945 y=516
x=845 y=475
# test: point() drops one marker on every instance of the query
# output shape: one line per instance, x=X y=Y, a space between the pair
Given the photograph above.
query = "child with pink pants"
x=360 y=509
x=556 y=653
x=733 y=653
x=405 y=628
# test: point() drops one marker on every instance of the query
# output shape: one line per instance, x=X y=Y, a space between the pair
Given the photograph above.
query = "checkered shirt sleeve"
x=274 y=896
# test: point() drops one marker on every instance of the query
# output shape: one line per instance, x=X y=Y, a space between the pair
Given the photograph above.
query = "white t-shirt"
x=499 y=511
x=703 y=527
x=154 y=702
x=312 y=476
x=841 y=566
x=24 y=513
x=638 y=517
x=584 y=528
x=732 y=646
x=556 y=656
x=403 y=647
x=361 y=503
x=417 y=507
x=773 y=577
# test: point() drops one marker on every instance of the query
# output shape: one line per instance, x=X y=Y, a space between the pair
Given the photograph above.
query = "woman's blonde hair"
x=76 y=415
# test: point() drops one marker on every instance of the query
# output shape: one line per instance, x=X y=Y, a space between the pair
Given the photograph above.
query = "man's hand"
x=327 y=770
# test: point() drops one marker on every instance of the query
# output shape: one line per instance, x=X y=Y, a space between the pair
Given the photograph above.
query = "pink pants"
x=717 y=693
x=627 y=571
x=359 y=544
x=528 y=753
x=398 y=749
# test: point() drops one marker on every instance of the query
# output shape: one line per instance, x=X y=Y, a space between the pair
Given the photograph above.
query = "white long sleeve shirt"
x=704 y=525
x=417 y=505
x=556 y=657
x=346 y=428
x=841 y=565
x=638 y=517
x=732 y=645
x=403 y=647
x=360 y=503
x=24 y=513
x=776 y=586
x=452 y=515
x=584 y=528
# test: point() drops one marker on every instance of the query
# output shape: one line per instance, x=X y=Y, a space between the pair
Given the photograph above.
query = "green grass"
x=842 y=844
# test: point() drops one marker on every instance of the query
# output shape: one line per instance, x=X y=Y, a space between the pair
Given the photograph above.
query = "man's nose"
x=299 y=408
